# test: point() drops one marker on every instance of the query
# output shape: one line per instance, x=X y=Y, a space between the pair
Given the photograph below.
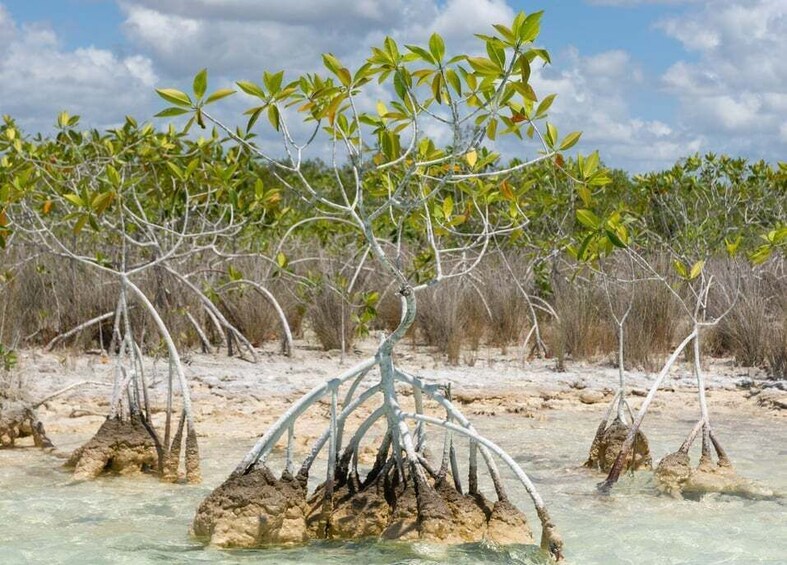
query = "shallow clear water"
x=43 y=519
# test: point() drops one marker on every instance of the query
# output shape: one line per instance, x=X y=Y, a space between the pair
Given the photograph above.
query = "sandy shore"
x=236 y=399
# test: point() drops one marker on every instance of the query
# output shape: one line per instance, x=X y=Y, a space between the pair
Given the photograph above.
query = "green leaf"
x=584 y=246
x=524 y=68
x=584 y=194
x=273 y=116
x=200 y=83
x=331 y=63
x=437 y=88
x=102 y=201
x=273 y=81
x=732 y=245
x=453 y=80
x=588 y=219
x=175 y=170
x=484 y=66
x=281 y=260
x=615 y=239
x=171 y=112
x=696 y=269
x=437 y=47
x=80 y=224
x=544 y=106
x=531 y=26
x=234 y=274
x=570 y=140
x=176 y=97
x=590 y=165
x=491 y=129
x=448 y=207
x=681 y=268
x=219 y=94
x=421 y=53
x=551 y=136
x=113 y=175
x=251 y=89
x=75 y=199
x=496 y=52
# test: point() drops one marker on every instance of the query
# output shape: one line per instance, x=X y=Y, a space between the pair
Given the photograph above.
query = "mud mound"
x=675 y=476
x=19 y=420
x=121 y=447
x=607 y=445
x=710 y=477
x=253 y=510
x=257 y=509
x=672 y=473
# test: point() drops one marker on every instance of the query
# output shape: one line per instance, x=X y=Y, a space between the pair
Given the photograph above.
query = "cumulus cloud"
x=729 y=87
x=593 y=96
x=240 y=35
x=735 y=87
x=626 y=3
x=39 y=78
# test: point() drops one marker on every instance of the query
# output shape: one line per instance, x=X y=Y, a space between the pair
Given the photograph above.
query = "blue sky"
x=648 y=81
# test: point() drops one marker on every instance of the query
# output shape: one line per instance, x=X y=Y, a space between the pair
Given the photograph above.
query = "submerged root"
x=120 y=447
x=609 y=441
x=19 y=420
x=256 y=509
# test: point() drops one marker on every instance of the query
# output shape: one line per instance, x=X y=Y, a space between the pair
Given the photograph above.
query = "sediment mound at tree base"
x=256 y=509
x=605 y=450
x=675 y=476
x=672 y=472
x=121 y=447
x=19 y=420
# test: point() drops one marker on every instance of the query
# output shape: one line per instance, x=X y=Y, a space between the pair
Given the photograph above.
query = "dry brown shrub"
x=509 y=310
x=651 y=326
x=450 y=313
x=582 y=330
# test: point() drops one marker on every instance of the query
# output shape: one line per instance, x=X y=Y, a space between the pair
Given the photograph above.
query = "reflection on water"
x=44 y=519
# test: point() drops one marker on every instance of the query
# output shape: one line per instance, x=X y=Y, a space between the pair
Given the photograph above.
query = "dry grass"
x=582 y=330
x=48 y=296
x=449 y=314
x=509 y=311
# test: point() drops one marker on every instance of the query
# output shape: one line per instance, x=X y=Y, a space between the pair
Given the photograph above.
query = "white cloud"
x=239 y=35
x=735 y=90
x=626 y=3
x=593 y=96
x=39 y=79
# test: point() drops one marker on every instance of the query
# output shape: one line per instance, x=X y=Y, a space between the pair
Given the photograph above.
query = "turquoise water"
x=44 y=519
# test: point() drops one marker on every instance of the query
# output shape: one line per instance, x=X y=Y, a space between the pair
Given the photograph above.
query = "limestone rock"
x=19 y=420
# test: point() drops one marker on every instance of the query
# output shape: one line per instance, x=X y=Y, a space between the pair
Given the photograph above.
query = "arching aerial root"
x=403 y=497
x=675 y=476
x=120 y=446
x=256 y=509
x=608 y=442
x=19 y=420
